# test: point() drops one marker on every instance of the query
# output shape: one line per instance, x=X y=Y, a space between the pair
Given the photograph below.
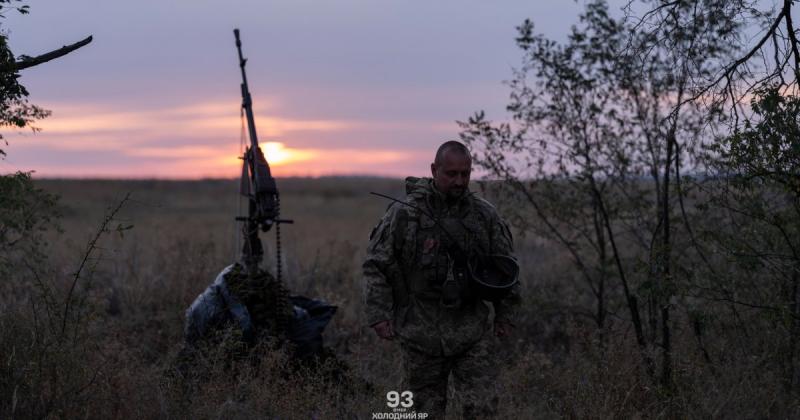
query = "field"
x=183 y=234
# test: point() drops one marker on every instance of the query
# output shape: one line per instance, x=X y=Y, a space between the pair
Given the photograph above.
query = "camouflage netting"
x=239 y=312
x=266 y=299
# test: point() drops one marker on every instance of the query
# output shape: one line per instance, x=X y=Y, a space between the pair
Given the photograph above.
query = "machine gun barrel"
x=247 y=100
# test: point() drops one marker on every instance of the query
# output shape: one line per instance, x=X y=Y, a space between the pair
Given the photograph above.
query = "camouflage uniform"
x=405 y=270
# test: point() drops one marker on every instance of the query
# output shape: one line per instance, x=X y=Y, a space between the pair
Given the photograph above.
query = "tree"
x=42 y=332
x=771 y=58
x=599 y=134
x=750 y=214
x=15 y=110
x=26 y=209
x=751 y=224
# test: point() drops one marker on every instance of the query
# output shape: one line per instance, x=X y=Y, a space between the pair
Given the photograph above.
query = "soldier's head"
x=451 y=168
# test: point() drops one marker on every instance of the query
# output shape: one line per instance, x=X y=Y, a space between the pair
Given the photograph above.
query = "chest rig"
x=436 y=253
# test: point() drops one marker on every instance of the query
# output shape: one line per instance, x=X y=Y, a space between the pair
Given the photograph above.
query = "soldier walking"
x=433 y=267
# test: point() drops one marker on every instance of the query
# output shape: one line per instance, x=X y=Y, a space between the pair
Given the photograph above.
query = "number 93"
x=404 y=399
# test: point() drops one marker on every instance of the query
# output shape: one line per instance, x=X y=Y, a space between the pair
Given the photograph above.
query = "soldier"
x=420 y=285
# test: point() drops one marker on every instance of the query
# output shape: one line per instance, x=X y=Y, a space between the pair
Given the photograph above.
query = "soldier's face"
x=451 y=176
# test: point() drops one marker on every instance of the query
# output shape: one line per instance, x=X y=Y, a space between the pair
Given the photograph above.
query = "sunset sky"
x=343 y=87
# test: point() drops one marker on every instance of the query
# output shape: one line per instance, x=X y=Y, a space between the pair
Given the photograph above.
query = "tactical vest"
x=434 y=256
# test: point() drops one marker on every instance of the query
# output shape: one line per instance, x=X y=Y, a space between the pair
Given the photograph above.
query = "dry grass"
x=120 y=363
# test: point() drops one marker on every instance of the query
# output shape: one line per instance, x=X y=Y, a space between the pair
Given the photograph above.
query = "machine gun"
x=258 y=185
x=243 y=294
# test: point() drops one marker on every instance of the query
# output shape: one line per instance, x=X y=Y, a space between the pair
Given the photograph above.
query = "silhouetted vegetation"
x=632 y=148
x=651 y=171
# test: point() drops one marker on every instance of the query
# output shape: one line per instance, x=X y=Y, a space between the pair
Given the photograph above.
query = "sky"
x=340 y=87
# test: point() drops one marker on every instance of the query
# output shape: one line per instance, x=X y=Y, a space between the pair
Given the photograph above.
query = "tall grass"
x=122 y=362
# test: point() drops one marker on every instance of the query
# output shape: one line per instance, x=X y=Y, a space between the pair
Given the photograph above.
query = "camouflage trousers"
x=473 y=373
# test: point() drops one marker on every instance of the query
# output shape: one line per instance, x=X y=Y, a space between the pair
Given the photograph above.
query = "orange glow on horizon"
x=197 y=141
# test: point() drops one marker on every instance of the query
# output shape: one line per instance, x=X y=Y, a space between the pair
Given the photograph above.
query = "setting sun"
x=277 y=154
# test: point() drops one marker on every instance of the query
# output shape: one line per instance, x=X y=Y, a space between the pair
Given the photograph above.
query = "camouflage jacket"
x=409 y=257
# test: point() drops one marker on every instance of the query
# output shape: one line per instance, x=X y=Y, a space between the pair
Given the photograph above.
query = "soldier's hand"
x=503 y=329
x=384 y=330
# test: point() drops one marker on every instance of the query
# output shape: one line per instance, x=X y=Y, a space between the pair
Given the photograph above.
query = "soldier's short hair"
x=447 y=146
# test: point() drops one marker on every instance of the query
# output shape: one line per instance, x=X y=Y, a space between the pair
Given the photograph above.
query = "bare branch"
x=90 y=248
x=27 y=62
x=731 y=68
x=787 y=6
